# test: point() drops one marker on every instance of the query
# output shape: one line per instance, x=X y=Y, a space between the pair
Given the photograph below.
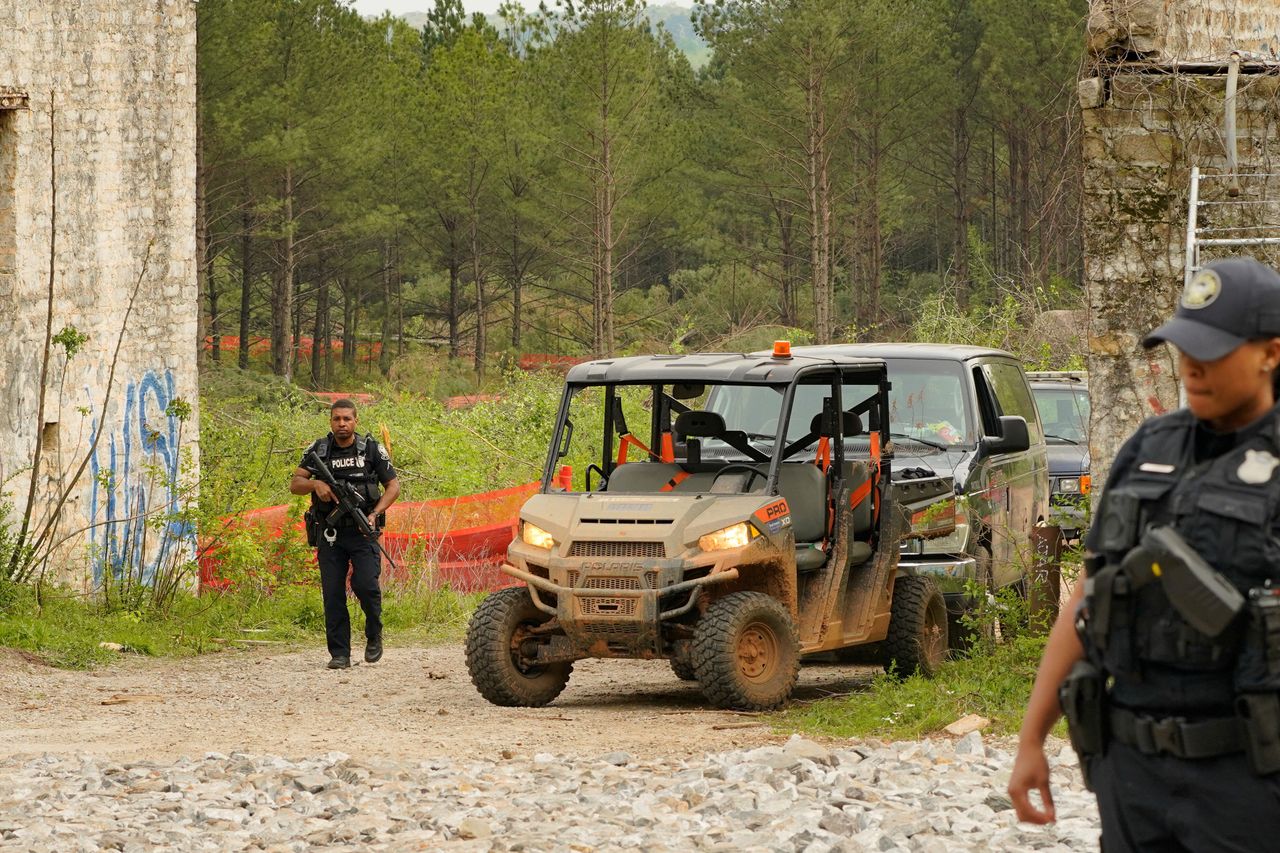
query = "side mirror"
x=1013 y=438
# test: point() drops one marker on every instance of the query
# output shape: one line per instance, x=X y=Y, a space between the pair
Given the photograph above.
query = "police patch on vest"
x=1258 y=467
x=1203 y=288
x=382 y=451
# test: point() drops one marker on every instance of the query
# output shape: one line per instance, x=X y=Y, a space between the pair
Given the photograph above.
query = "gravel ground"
x=626 y=759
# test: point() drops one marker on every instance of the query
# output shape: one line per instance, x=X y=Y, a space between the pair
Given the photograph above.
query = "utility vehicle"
x=730 y=550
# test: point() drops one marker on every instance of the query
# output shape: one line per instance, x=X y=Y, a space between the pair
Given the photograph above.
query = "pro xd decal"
x=775 y=516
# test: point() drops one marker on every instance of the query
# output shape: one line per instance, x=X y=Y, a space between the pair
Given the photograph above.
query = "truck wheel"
x=746 y=652
x=683 y=668
x=917 y=640
x=497 y=629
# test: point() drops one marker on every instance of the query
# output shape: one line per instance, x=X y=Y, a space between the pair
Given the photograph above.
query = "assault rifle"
x=348 y=504
x=1207 y=600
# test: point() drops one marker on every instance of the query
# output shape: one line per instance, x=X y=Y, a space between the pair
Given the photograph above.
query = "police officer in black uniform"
x=362 y=462
x=1167 y=660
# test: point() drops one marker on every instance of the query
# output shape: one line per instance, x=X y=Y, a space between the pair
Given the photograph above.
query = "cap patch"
x=1203 y=288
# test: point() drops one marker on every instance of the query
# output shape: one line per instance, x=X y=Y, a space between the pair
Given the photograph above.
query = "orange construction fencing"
x=456 y=542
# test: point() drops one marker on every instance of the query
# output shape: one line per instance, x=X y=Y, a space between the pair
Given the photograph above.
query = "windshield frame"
x=878 y=390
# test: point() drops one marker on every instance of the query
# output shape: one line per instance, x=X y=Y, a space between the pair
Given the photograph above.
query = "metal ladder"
x=1228 y=201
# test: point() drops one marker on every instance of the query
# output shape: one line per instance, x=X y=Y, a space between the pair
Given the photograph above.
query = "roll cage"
x=671 y=381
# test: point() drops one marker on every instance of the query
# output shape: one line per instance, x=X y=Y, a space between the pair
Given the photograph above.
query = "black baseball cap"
x=1225 y=303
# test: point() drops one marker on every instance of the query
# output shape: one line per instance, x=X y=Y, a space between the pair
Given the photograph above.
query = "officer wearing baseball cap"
x=1225 y=304
x=1166 y=661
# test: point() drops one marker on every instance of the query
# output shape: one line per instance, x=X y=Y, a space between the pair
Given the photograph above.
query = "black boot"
x=339 y=663
x=373 y=650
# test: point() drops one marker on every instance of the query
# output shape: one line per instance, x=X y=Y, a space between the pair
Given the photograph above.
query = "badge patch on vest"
x=1258 y=467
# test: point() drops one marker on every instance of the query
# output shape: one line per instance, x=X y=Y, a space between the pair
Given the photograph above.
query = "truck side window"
x=1013 y=396
x=987 y=408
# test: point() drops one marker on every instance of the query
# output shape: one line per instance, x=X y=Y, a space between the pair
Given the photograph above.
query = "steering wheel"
x=754 y=470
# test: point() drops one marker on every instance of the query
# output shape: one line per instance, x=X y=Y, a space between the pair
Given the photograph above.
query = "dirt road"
x=415 y=703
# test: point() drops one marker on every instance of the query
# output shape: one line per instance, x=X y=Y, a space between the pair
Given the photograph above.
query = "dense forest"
x=563 y=181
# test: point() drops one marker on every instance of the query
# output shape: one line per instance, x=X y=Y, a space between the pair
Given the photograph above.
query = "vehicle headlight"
x=734 y=536
x=534 y=535
x=1069 y=486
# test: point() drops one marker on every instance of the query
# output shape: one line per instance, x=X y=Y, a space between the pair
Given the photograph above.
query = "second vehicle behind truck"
x=967 y=414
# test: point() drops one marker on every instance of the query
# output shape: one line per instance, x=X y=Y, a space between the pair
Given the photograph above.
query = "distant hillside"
x=672 y=16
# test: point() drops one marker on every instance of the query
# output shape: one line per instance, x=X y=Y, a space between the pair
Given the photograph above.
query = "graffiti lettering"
x=135 y=467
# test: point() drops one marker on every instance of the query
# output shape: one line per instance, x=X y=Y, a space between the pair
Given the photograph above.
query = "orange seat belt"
x=875 y=477
x=823 y=457
x=668 y=447
x=679 y=478
x=627 y=441
x=863 y=492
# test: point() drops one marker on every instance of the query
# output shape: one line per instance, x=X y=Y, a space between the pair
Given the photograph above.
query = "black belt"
x=1176 y=736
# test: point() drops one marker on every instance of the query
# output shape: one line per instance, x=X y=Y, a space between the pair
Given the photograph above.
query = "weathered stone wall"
x=111 y=87
x=1184 y=30
x=1147 y=121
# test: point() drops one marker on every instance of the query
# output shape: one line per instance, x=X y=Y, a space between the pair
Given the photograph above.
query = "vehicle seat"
x=805 y=488
x=654 y=477
x=851 y=425
x=640 y=477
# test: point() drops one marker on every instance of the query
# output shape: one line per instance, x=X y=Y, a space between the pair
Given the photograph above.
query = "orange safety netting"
x=365 y=350
x=455 y=542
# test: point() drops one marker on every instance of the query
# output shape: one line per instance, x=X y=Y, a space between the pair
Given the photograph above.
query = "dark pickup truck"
x=1063 y=401
x=970 y=461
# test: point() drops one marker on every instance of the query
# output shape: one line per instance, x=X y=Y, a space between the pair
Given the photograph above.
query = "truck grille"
x=610 y=583
x=602 y=582
x=651 y=550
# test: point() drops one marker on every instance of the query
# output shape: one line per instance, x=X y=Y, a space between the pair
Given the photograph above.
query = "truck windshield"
x=928 y=402
x=1064 y=412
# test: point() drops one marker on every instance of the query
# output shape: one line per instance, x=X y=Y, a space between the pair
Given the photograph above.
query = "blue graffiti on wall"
x=142 y=461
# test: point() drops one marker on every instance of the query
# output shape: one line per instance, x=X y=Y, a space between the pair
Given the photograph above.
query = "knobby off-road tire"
x=746 y=652
x=917 y=640
x=493 y=635
x=682 y=666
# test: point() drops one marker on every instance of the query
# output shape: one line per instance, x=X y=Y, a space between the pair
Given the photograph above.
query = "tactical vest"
x=364 y=478
x=1224 y=508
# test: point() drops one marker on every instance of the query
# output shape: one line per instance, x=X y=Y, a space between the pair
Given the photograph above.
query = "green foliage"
x=251 y=439
x=71 y=340
x=67 y=630
x=561 y=180
x=995 y=683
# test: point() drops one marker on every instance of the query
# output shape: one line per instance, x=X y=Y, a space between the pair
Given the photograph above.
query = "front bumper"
x=1067 y=512
x=951 y=574
x=612 y=622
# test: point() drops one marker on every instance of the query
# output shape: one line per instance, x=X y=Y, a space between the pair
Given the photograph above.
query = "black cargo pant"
x=352 y=549
x=1163 y=803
